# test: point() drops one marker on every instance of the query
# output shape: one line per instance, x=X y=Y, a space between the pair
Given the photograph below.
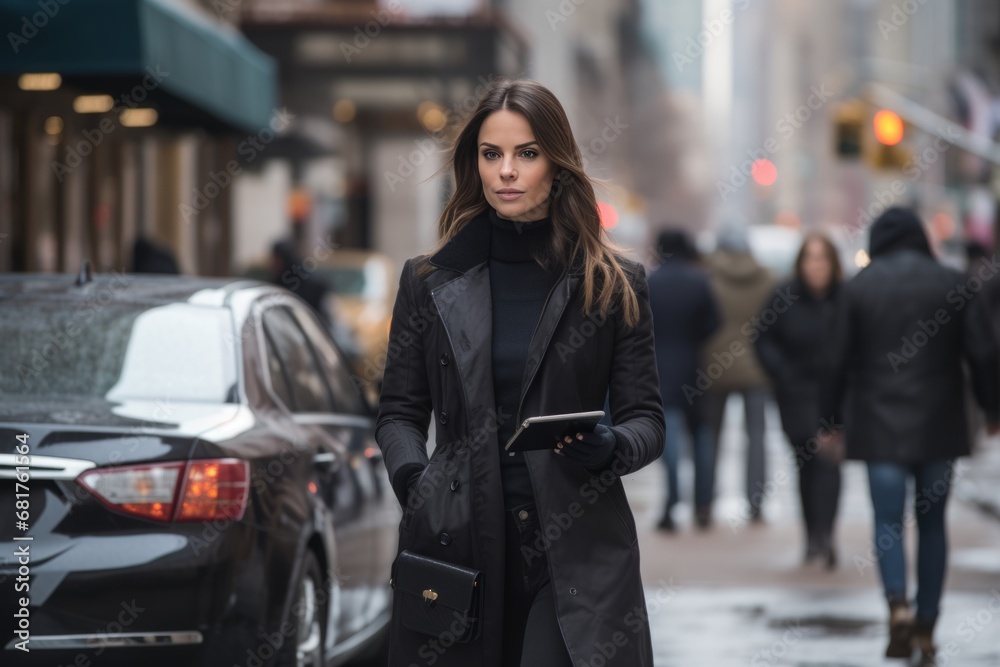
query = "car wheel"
x=304 y=648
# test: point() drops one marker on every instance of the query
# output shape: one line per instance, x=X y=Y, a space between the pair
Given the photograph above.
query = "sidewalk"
x=738 y=595
x=981 y=486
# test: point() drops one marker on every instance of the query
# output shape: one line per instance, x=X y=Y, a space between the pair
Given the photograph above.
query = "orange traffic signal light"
x=888 y=127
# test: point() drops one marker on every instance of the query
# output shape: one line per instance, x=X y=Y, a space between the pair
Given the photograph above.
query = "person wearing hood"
x=895 y=381
x=288 y=270
x=684 y=316
x=730 y=363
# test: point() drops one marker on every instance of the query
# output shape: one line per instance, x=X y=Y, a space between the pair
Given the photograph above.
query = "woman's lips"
x=509 y=195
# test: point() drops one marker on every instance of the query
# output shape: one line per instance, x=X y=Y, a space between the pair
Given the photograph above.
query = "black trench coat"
x=439 y=359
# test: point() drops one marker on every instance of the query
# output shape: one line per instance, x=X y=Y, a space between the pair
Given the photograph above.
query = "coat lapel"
x=468 y=317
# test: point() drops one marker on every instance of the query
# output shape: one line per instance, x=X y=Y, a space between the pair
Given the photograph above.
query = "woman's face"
x=817 y=270
x=516 y=176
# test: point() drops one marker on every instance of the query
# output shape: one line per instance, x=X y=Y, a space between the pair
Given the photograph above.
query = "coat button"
x=445 y=539
x=443 y=418
x=572 y=591
x=523 y=514
x=445 y=359
x=455 y=484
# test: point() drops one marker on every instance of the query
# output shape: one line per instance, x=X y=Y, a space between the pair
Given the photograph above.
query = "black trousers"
x=531 y=634
x=819 y=491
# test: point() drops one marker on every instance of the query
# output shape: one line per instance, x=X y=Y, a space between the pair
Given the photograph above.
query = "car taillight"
x=214 y=489
x=193 y=491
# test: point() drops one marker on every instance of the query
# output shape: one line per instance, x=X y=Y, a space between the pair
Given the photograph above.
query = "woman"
x=899 y=347
x=524 y=308
x=792 y=350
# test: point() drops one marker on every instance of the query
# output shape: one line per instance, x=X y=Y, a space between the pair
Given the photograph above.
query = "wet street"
x=739 y=595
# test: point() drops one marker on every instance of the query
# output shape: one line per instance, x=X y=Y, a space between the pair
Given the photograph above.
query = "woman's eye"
x=529 y=153
x=491 y=155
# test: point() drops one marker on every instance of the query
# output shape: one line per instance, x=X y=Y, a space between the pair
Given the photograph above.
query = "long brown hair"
x=576 y=224
x=837 y=271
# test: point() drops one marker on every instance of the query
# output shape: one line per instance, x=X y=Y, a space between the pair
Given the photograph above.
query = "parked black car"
x=196 y=473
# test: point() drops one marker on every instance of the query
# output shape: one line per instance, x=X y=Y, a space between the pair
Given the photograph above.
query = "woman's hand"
x=590 y=450
x=831 y=445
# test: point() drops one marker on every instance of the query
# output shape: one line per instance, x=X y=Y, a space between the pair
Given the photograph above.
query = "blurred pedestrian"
x=792 y=351
x=525 y=307
x=287 y=270
x=982 y=273
x=905 y=324
x=730 y=367
x=983 y=268
x=149 y=257
x=684 y=316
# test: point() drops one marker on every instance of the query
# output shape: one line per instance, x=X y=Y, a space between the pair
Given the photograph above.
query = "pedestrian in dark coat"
x=561 y=570
x=792 y=351
x=685 y=315
x=287 y=270
x=905 y=324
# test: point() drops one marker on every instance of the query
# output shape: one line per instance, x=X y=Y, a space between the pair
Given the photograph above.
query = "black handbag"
x=438 y=598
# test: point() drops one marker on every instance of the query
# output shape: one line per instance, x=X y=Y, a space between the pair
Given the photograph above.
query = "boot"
x=667 y=524
x=900 y=630
x=703 y=517
x=923 y=637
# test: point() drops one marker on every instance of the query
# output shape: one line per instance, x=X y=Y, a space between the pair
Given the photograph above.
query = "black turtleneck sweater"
x=519 y=287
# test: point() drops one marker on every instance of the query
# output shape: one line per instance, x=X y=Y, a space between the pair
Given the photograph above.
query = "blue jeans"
x=887 y=482
x=702 y=453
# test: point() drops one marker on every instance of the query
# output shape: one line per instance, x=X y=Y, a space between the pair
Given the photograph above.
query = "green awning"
x=203 y=63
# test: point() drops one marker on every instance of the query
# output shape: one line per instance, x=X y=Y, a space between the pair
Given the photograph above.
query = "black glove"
x=411 y=484
x=404 y=478
x=593 y=451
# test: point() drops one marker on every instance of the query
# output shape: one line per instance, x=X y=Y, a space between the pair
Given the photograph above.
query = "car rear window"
x=117 y=351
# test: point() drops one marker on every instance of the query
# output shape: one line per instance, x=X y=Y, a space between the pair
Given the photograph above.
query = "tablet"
x=543 y=431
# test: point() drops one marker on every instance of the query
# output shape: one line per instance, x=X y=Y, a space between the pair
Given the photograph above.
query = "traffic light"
x=885 y=147
x=888 y=127
x=878 y=135
x=848 y=126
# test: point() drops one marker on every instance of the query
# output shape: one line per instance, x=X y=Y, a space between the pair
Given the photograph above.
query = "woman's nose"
x=507 y=170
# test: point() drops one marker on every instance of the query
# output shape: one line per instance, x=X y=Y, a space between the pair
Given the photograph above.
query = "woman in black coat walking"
x=524 y=308
x=792 y=351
